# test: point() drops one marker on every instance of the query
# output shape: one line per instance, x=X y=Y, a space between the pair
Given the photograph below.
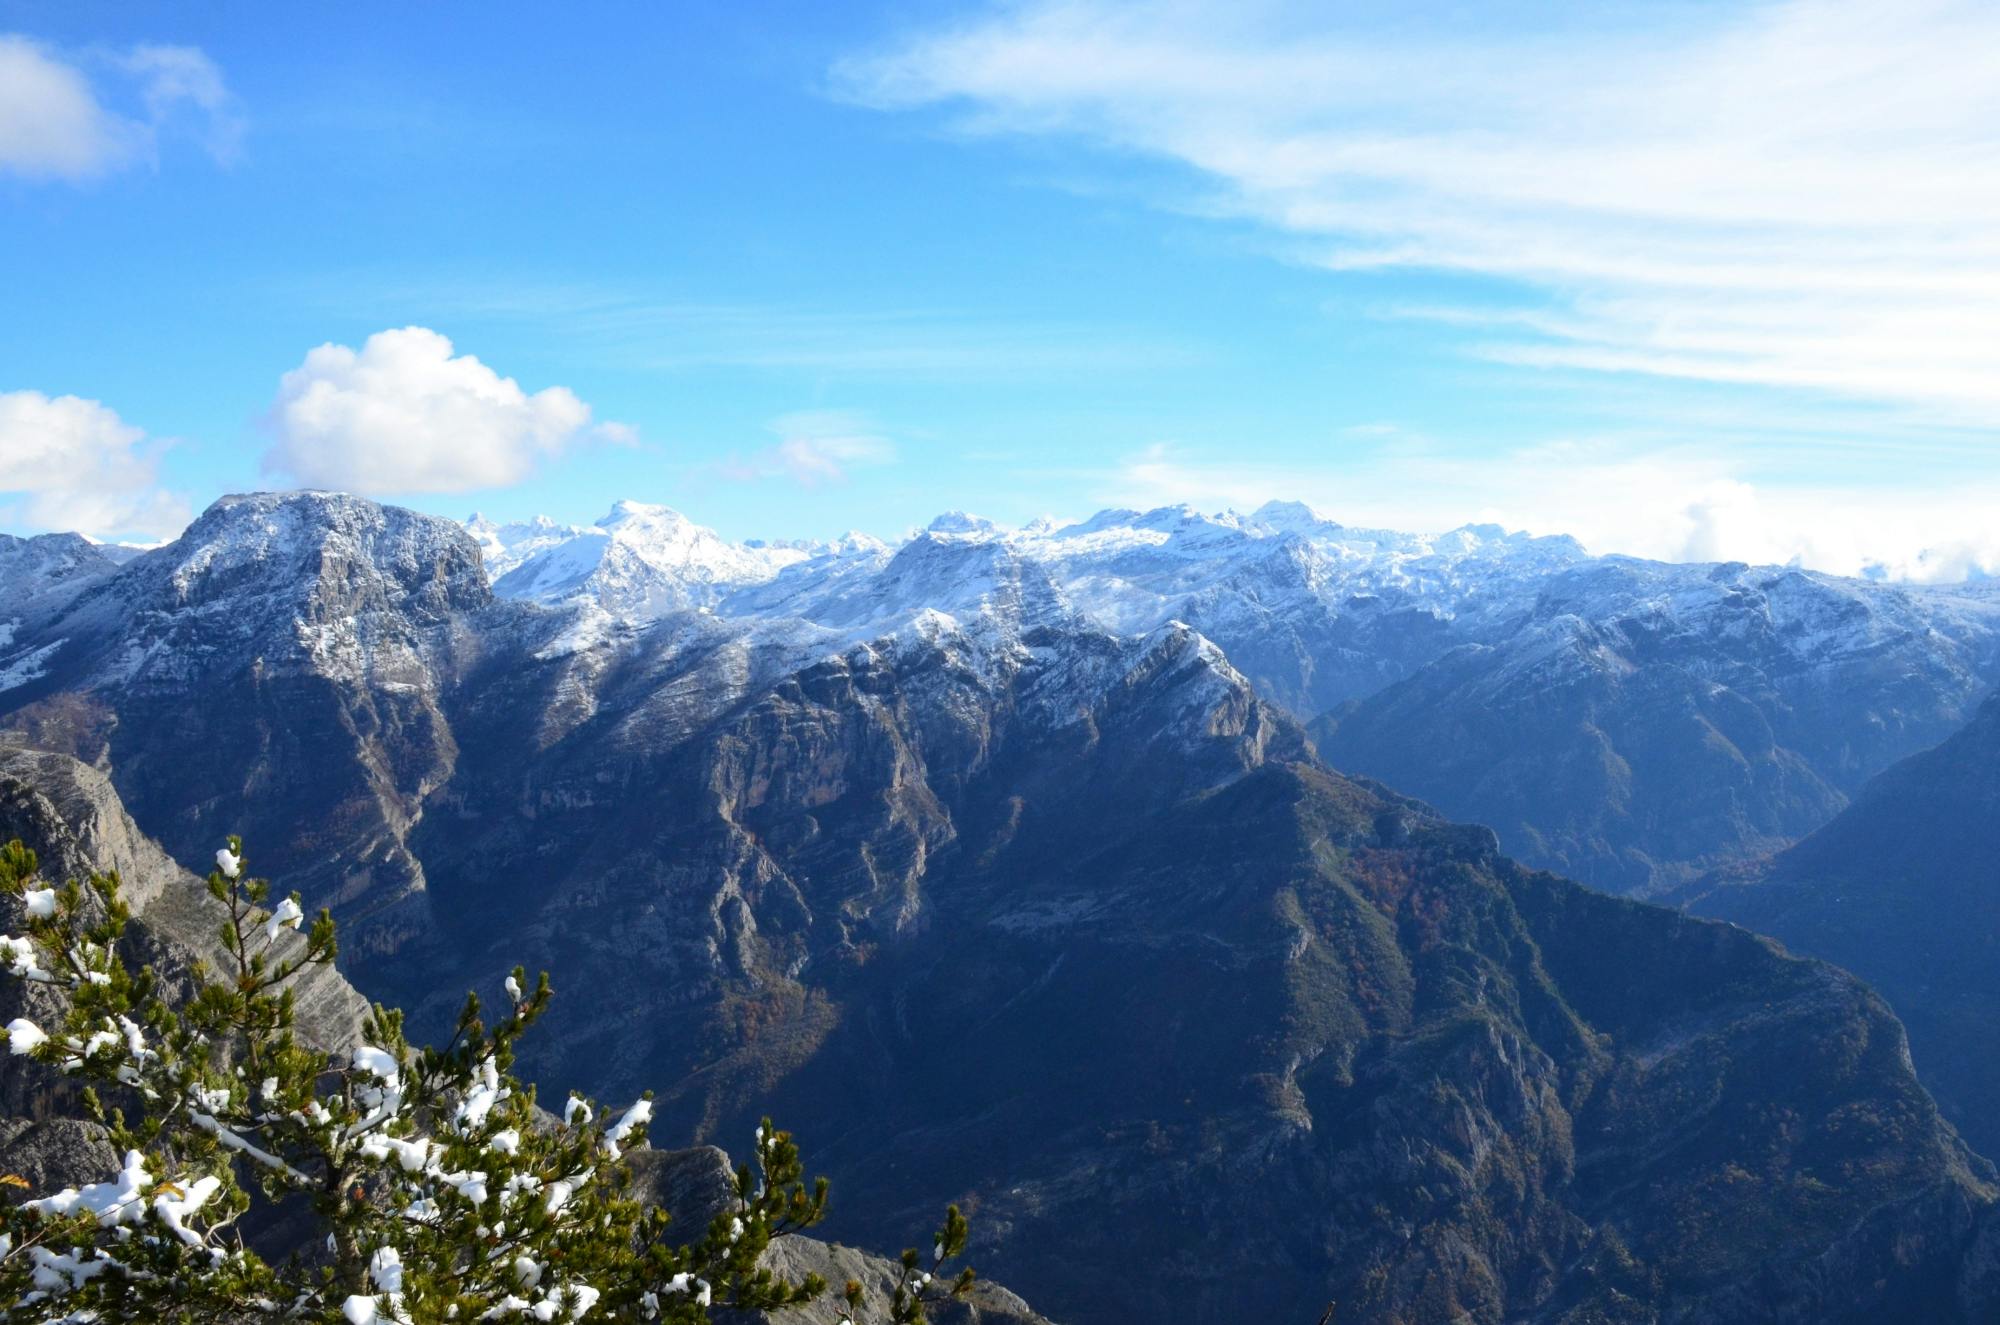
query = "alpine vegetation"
x=431 y=1186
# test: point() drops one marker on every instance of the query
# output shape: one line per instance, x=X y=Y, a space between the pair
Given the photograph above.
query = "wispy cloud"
x=814 y=447
x=1802 y=195
x=58 y=122
x=638 y=330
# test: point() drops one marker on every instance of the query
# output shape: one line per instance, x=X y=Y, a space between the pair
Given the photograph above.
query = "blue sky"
x=1686 y=280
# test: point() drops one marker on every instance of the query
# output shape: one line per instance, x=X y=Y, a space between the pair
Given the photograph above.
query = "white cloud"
x=1799 y=195
x=1669 y=503
x=73 y=464
x=403 y=414
x=56 y=123
x=815 y=447
x=170 y=77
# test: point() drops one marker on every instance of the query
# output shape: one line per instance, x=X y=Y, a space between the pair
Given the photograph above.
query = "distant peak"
x=1166 y=517
x=855 y=541
x=1112 y=517
x=1287 y=516
x=624 y=512
x=960 y=522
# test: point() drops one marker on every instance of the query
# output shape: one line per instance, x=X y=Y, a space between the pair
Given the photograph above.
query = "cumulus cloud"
x=1802 y=195
x=814 y=447
x=57 y=123
x=404 y=414
x=72 y=464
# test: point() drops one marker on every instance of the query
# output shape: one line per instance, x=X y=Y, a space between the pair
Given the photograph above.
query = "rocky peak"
x=331 y=552
x=25 y=562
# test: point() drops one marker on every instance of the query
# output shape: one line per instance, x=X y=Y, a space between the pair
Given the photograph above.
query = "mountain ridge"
x=971 y=872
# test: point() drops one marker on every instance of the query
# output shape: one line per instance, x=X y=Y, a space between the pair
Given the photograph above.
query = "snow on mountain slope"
x=1129 y=570
x=1637 y=723
x=1317 y=613
x=42 y=573
x=505 y=546
x=1624 y=721
x=318 y=581
x=638 y=563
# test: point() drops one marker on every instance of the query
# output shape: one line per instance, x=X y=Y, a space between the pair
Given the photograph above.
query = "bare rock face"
x=54 y=1153
x=72 y=817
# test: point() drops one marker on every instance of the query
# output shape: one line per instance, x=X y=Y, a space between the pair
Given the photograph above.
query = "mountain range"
x=1057 y=871
x=1628 y=723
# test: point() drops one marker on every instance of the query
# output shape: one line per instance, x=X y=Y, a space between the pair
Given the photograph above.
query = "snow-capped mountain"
x=1320 y=612
x=638 y=563
x=1635 y=723
x=1511 y=679
x=505 y=546
x=982 y=856
x=1629 y=722
x=1128 y=570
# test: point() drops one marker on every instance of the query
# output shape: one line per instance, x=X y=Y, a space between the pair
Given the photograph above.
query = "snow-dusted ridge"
x=1129 y=570
x=1317 y=613
x=1410 y=655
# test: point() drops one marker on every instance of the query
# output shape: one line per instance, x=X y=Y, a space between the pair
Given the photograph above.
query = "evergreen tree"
x=442 y=1193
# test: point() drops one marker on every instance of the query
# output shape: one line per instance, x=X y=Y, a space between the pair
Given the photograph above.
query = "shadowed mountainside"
x=1903 y=888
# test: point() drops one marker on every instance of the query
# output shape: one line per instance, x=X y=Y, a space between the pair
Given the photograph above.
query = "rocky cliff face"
x=69 y=814
x=995 y=902
x=71 y=817
x=284 y=655
x=1903 y=888
x=1300 y=1041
